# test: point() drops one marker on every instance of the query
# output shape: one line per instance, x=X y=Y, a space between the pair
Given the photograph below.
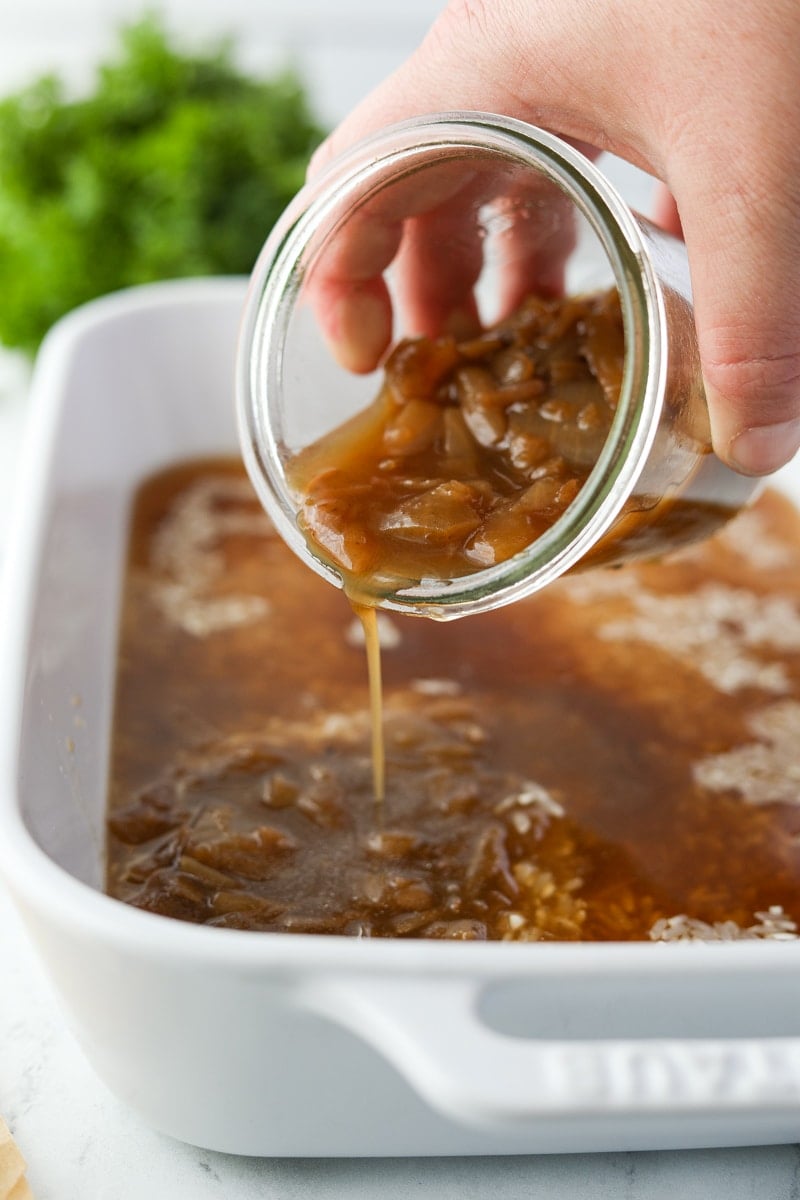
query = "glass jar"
x=656 y=483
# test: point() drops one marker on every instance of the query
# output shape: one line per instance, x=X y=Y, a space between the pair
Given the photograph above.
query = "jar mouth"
x=275 y=286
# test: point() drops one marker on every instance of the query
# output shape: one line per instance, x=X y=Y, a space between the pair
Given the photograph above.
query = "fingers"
x=434 y=216
x=700 y=93
x=440 y=262
x=537 y=234
x=453 y=213
x=442 y=238
x=355 y=318
x=745 y=257
x=347 y=291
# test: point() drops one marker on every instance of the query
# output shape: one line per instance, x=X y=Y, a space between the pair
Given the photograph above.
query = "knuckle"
x=755 y=375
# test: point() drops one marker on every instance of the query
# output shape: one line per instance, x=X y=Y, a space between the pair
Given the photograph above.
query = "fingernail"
x=764 y=448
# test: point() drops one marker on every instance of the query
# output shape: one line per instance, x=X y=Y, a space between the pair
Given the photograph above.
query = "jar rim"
x=275 y=284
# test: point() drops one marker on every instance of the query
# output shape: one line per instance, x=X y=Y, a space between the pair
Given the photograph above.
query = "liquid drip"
x=368 y=616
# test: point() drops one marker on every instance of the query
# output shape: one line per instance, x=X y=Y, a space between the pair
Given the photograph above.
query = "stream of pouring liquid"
x=368 y=616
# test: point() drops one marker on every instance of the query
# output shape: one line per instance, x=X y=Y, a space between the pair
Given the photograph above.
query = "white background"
x=79 y=1142
x=343 y=47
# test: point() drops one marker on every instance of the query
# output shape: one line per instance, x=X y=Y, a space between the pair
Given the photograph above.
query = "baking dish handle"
x=471 y=1073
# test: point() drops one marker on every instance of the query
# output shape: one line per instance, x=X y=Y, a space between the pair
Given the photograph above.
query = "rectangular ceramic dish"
x=303 y=1045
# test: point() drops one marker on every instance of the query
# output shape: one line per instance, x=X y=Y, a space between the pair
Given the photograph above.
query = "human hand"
x=702 y=95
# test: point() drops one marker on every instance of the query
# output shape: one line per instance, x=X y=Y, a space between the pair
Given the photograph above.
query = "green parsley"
x=175 y=165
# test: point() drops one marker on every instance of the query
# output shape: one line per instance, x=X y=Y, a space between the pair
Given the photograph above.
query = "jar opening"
x=494 y=206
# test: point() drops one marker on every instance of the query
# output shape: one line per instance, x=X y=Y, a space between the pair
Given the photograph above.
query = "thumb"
x=741 y=223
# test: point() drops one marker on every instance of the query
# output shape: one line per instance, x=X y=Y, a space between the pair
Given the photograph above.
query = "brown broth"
x=612 y=754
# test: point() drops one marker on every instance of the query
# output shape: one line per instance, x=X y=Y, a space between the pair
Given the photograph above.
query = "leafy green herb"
x=175 y=165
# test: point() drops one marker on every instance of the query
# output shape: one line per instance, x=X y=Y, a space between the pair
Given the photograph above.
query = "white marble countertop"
x=82 y=1144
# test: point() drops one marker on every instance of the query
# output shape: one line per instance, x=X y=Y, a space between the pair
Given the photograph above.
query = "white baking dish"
x=302 y=1045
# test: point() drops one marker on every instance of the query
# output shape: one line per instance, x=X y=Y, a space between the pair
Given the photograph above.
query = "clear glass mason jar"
x=656 y=484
